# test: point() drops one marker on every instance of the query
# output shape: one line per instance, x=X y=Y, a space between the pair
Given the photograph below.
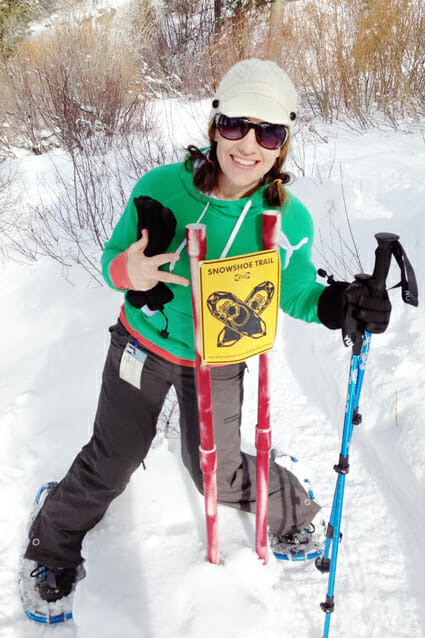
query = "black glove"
x=364 y=304
x=154 y=299
x=367 y=308
x=161 y=225
x=354 y=308
x=331 y=306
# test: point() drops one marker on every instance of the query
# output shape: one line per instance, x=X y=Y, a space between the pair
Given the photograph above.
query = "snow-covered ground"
x=147 y=574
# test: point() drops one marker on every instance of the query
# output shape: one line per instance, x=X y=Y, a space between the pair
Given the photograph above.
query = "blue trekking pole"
x=388 y=245
x=333 y=533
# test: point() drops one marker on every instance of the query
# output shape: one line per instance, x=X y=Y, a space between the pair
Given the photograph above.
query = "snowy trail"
x=147 y=574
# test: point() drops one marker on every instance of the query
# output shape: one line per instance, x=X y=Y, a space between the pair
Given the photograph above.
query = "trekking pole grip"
x=383 y=255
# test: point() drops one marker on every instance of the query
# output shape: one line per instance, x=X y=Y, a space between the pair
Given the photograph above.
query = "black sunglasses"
x=269 y=136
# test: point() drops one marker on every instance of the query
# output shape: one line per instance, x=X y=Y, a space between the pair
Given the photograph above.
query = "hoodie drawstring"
x=236 y=229
x=183 y=243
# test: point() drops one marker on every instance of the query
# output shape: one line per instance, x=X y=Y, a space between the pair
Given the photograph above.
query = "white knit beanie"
x=259 y=89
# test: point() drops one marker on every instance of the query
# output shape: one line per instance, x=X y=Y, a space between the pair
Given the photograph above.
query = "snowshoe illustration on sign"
x=47 y=594
x=241 y=318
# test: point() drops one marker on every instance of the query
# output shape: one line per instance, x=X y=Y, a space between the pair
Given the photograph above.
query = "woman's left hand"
x=354 y=308
x=370 y=309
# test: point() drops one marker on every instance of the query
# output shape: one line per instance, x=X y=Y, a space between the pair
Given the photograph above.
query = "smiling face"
x=243 y=164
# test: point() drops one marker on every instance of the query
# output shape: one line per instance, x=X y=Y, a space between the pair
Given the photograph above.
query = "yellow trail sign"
x=239 y=299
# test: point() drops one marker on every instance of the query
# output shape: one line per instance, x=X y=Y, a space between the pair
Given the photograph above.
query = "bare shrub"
x=168 y=426
x=73 y=219
x=195 y=48
x=9 y=197
x=359 y=57
x=65 y=86
x=172 y=44
x=14 y=20
x=21 y=114
x=355 y=60
x=243 y=34
x=336 y=244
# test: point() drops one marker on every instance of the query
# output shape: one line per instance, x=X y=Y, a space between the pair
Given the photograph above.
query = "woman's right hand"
x=144 y=272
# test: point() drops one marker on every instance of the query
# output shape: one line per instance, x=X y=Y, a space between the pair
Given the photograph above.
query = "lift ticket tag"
x=131 y=365
x=239 y=298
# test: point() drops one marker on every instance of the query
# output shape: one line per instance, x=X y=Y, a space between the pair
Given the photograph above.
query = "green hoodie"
x=173 y=186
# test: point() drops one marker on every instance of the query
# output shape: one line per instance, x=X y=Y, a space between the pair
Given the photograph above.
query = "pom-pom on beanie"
x=258 y=89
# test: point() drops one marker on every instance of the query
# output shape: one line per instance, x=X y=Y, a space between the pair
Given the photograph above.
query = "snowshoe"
x=307 y=544
x=46 y=593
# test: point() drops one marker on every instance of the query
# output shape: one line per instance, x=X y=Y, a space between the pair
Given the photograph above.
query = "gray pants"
x=124 y=428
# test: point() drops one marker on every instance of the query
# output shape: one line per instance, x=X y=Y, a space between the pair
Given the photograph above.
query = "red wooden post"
x=263 y=436
x=196 y=236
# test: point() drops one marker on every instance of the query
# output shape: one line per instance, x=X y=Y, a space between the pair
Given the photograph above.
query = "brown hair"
x=206 y=174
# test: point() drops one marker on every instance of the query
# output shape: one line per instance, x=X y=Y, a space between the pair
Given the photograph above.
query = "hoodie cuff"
x=118 y=272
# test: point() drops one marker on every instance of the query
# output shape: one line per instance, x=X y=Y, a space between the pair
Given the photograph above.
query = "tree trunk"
x=218 y=8
x=274 y=45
